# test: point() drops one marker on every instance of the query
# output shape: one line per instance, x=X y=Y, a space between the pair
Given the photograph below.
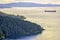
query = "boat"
x=50 y=10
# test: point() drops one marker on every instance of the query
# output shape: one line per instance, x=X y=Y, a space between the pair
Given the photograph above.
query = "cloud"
x=35 y=1
x=6 y=1
x=42 y=1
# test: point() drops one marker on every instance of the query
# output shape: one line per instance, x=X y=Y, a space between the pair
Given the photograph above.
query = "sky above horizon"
x=34 y=1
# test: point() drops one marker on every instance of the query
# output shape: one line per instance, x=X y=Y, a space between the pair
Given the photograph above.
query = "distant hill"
x=27 y=4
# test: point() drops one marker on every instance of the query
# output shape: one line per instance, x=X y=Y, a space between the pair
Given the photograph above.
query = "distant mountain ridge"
x=27 y=4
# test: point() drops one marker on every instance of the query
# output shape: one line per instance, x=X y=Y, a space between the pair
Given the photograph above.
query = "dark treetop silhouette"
x=13 y=28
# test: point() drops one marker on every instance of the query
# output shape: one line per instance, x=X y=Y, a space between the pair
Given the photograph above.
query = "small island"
x=12 y=27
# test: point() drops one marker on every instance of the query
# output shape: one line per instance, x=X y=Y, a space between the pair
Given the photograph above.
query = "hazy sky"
x=36 y=1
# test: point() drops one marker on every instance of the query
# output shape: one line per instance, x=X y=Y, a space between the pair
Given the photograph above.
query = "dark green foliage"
x=1 y=34
x=15 y=28
x=17 y=17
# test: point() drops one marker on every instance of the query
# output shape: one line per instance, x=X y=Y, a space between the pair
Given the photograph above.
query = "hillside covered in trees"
x=12 y=27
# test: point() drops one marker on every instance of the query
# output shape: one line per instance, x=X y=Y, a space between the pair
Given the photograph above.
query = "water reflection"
x=26 y=38
x=46 y=35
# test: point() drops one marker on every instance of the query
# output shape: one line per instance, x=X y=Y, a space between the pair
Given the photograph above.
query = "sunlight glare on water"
x=49 y=21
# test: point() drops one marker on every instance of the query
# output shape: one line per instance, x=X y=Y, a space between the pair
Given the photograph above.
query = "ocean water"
x=50 y=21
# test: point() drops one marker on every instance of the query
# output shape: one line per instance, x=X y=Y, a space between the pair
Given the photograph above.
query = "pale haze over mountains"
x=27 y=4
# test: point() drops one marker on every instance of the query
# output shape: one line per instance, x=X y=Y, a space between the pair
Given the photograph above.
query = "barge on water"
x=50 y=11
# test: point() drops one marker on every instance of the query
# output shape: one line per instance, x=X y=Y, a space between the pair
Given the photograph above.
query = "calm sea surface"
x=50 y=21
